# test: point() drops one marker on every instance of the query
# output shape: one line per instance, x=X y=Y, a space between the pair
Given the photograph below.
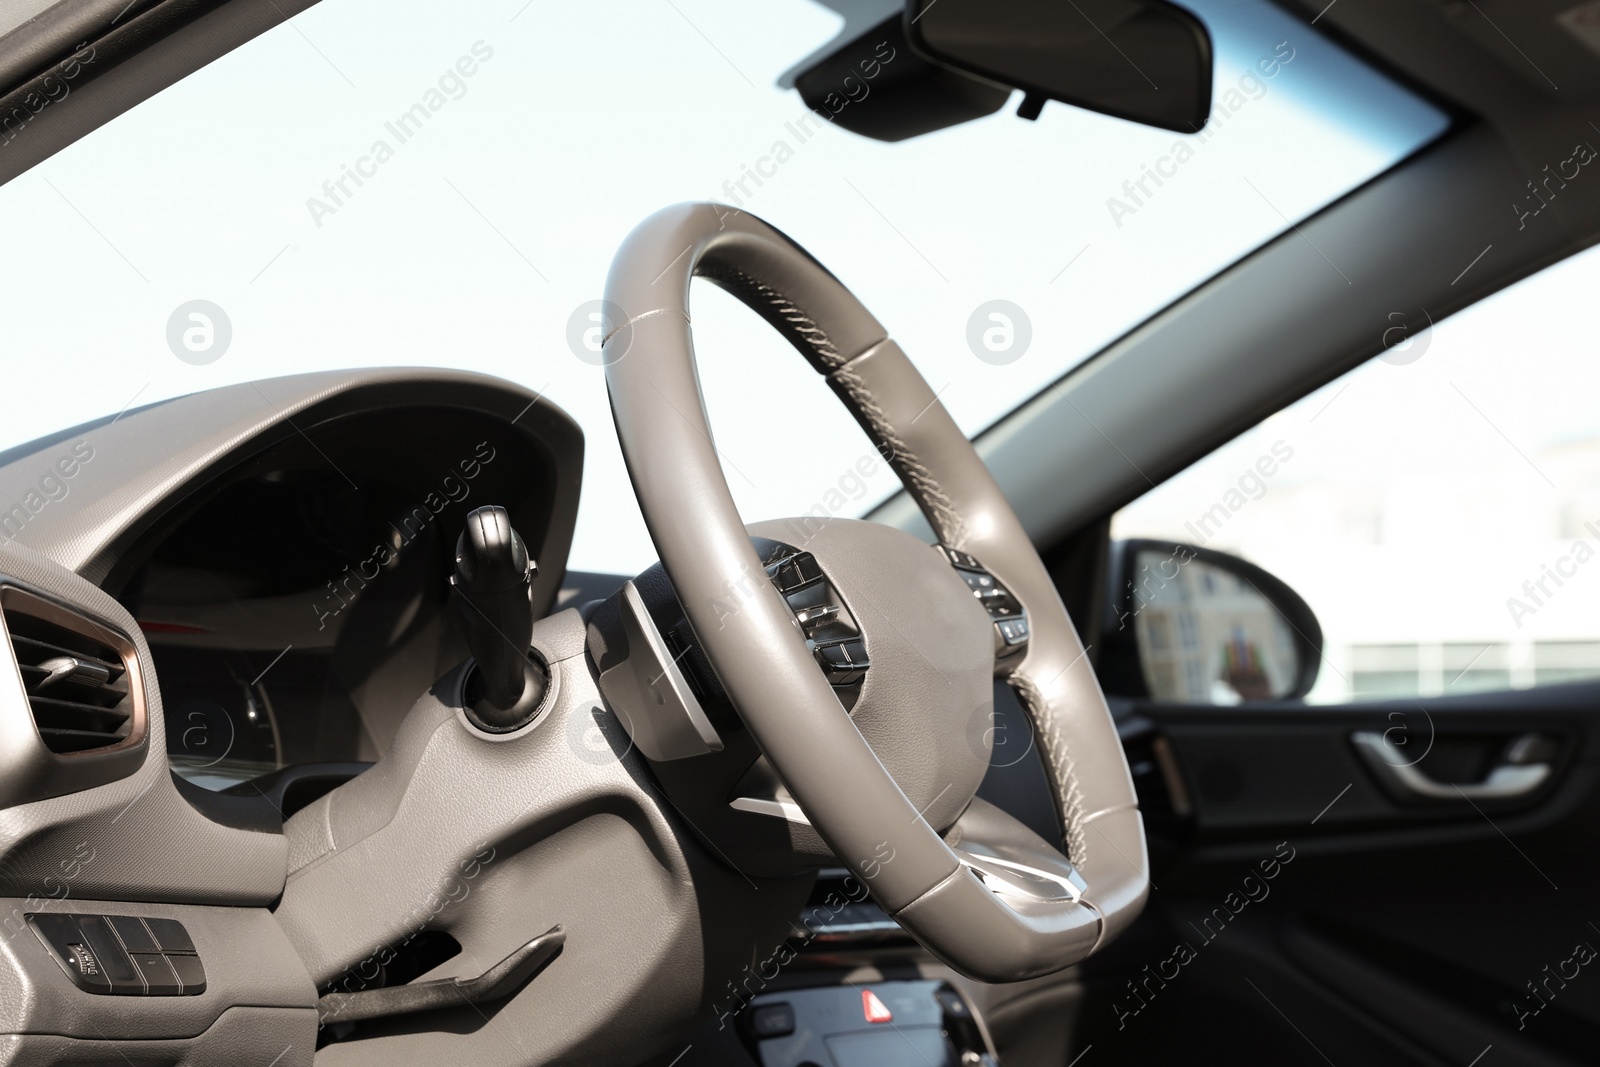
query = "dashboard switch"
x=874 y=1009
x=61 y=934
x=111 y=956
x=159 y=978
x=135 y=935
x=170 y=935
x=85 y=969
x=772 y=1020
x=190 y=972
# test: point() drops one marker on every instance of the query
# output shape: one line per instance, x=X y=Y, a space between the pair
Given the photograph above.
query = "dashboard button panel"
x=122 y=955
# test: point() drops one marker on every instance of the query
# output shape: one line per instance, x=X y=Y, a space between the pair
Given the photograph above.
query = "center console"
x=885 y=1024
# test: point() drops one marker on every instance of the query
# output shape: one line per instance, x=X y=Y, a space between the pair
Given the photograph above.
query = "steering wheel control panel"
x=831 y=631
x=1010 y=621
x=123 y=955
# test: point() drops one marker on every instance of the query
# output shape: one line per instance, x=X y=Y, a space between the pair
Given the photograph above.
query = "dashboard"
x=281 y=551
x=293 y=589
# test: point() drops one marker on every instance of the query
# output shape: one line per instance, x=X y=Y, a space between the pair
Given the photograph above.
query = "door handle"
x=1407 y=781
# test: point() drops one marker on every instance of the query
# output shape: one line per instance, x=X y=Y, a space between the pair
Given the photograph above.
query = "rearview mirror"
x=1147 y=61
x=1196 y=626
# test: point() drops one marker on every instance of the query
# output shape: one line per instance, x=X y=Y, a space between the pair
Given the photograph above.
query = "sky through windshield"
x=503 y=151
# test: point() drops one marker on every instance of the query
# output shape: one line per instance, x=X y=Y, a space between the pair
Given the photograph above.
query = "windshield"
x=444 y=185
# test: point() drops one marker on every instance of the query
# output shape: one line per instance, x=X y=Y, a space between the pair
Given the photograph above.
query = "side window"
x=1438 y=508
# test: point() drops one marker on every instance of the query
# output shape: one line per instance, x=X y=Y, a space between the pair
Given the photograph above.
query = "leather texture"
x=751 y=637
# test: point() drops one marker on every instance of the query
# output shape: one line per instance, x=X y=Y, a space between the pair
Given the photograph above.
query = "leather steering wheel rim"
x=756 y=648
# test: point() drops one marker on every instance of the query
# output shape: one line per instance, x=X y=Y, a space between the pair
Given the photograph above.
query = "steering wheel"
x=978 y=889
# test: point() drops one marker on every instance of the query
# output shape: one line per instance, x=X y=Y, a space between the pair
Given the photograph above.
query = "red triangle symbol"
x=874 y=1009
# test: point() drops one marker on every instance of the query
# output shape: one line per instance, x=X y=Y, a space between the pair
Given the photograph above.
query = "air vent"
x=80 y=677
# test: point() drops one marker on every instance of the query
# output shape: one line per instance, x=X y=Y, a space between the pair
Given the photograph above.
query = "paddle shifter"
x=493 y=583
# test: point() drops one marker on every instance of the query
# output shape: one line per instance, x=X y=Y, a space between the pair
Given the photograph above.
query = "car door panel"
x=1402 y=930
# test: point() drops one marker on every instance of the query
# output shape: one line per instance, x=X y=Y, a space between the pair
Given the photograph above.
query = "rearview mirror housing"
x=1147 y=61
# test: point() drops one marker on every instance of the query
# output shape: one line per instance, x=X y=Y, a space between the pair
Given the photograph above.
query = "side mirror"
x=1147 y=61
x=1197 y=626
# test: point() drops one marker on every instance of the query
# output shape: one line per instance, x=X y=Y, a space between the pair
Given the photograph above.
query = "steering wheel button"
x=844 y=663
x=961 y=559
x=1013 y=631
x=952 y=1004
x=833 y=657
x=995 y=598
x=810 y=618
x=796 y=572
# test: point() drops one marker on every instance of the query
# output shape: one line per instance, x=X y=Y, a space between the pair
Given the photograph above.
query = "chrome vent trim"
x=81 y=678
